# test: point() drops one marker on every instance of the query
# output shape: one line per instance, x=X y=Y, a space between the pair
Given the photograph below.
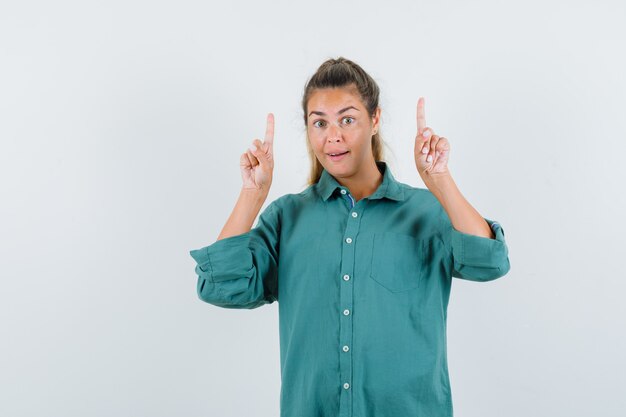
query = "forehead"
x=334 y=97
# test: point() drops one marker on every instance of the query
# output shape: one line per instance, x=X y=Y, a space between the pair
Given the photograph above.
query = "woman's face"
x=338 y=122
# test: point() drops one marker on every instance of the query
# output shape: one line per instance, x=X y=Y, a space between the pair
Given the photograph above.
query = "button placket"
x=348 y=197
x=346 y=300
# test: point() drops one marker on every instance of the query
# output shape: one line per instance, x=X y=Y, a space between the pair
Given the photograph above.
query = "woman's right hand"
x=257 y=166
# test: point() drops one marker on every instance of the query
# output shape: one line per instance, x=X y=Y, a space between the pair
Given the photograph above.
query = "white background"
x=121 y=126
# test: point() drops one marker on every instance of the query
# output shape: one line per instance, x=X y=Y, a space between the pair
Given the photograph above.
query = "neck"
x=364 y=183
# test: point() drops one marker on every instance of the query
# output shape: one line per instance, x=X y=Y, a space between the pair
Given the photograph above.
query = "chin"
x=340 y=171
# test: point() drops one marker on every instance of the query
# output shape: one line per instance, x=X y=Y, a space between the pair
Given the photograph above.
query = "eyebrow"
x=319 y=113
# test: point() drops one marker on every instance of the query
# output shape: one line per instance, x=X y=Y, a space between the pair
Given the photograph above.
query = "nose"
x=334 y=134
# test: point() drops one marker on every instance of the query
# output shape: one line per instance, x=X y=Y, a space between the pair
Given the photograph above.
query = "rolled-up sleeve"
x=241 y=271
x=477 y=258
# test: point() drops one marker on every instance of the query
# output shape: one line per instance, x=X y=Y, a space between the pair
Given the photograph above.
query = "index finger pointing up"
x=269 y=130
x=421 y=116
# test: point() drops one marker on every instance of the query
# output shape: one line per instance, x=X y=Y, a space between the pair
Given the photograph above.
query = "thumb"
x=258 y=150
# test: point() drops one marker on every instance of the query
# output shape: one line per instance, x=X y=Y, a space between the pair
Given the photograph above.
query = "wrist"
x=440 y=182
x=254 y=194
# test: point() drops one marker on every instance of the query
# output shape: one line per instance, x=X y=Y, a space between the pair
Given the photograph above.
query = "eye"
x=317 y=121
x=350 y=119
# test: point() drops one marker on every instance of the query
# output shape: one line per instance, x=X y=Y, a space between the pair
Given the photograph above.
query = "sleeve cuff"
x=479 y=251
x=231 y=254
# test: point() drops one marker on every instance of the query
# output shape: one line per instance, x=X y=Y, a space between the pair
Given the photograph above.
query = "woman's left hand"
x=431 y=151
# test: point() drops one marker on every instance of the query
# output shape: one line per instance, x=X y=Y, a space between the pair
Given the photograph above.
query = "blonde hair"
x=342 y=72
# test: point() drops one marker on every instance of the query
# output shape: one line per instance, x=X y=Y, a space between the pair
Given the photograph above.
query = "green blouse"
x=362 y=293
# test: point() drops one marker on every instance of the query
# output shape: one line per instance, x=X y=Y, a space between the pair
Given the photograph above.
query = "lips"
x=339 y=157
x=337 y=153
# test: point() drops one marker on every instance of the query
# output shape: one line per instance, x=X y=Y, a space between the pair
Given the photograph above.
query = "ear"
x=376 y=120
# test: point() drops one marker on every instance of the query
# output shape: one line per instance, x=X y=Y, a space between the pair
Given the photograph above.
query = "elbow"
x=494 y=273
x=482 y=273
x=244 y=292
x=498 y=271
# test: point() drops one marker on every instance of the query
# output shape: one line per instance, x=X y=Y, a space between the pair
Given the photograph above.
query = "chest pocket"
x=397 y=261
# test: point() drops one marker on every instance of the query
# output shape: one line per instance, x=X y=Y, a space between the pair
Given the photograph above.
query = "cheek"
x=316 y=141
x=316 y=145
x=361 y=145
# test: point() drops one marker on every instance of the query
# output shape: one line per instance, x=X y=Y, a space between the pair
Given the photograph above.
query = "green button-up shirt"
x=362 y=291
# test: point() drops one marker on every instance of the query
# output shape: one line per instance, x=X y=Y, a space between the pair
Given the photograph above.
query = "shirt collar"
x=389 y=188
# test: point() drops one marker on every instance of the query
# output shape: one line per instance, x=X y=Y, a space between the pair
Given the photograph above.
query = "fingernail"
x=427 y=134
x=430 y=158
x=424 y=150
x=253 y=148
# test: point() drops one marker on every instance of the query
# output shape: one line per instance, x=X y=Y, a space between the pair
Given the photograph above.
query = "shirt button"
x=346 y=312
x=346 y=348
x=349 y=240
x=343 y=191
x=346 y=385
x=346 y=277
x=354 y=214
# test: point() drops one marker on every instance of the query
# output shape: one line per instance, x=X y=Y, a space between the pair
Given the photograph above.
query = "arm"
x=246 y=209
x=463 y=216
x=473 y=255
x=476 y=244
x=241 y=271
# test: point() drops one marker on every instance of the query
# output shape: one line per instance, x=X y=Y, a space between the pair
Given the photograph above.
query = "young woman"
x=361 y=264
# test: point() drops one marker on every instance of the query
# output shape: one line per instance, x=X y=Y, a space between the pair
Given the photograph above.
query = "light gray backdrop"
x=121 y=129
